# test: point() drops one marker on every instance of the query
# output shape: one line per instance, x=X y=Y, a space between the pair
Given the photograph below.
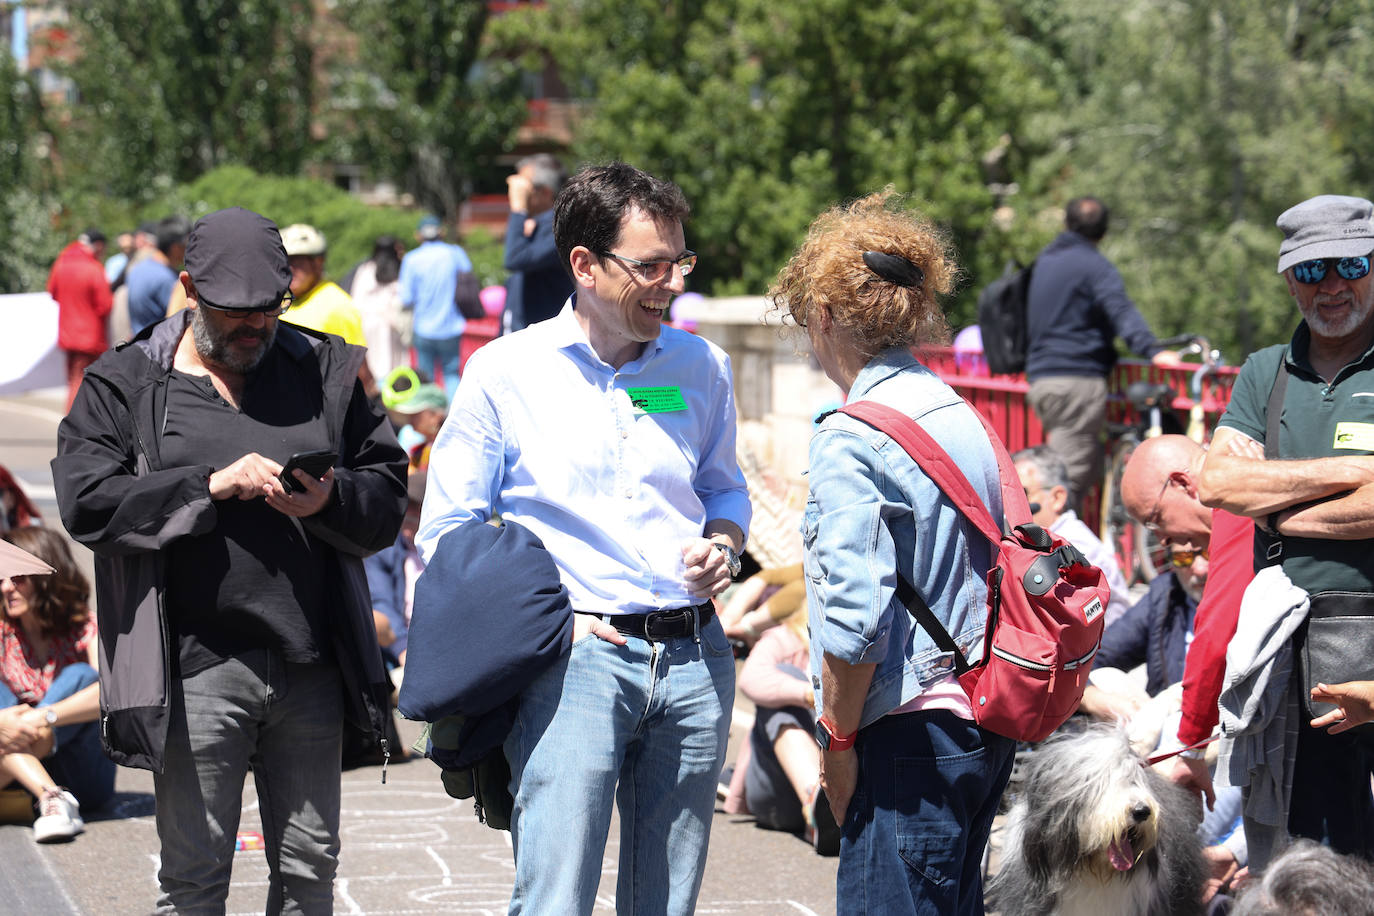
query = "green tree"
x=766 y=112
x=349 y=225
x=26 y=208
x=169 y=90
x=1199 y=122
x=418 y=102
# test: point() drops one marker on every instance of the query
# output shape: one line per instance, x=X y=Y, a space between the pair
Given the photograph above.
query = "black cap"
x=236 y=259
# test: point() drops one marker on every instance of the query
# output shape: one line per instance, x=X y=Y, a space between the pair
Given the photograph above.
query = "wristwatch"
x=731 y=558
x=49 y=715
x=829 y=741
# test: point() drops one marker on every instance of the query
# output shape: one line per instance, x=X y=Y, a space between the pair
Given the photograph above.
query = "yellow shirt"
x=329 y=309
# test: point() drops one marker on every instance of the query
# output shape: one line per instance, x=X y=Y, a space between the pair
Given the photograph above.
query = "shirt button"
x=629 y=494
x=624 y=434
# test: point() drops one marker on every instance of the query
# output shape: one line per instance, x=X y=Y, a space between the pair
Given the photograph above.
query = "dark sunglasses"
x=271 y=311
x=1310 y=273
x=1182 y=559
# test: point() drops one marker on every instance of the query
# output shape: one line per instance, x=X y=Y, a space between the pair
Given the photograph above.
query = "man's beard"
x=1344 y=326
x=215 y=347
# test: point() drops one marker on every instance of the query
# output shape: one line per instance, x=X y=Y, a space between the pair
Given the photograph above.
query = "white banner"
x=29 y=357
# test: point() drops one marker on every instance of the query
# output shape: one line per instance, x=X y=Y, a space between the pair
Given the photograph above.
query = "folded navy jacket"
x=490 y=615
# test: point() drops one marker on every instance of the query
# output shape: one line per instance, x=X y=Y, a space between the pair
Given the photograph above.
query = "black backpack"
x=1002 y=319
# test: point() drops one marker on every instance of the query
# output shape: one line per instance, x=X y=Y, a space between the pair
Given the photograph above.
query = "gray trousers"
x=1073 y=411
x=283 y=721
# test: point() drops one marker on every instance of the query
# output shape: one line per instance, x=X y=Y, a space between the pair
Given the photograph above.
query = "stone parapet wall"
x=778 y=392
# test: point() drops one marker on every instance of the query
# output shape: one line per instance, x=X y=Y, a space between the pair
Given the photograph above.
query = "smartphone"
x=315 y=463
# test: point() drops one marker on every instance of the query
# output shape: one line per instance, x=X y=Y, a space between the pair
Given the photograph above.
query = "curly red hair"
x=828 y=269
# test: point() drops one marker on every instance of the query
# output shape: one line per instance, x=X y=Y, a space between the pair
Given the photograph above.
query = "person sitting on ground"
x=422 y=413
x=763 y=601
x=16 y=509
x=49 y=689
x=778 y=772
x=391 y=576
x=1045 y=478
x=1155 y=633
x=1310 y=879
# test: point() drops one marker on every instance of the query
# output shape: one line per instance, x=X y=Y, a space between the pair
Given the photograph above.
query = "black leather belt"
x=674 y=623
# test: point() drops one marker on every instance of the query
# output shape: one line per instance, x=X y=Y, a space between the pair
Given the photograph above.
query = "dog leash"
x=1157 y=758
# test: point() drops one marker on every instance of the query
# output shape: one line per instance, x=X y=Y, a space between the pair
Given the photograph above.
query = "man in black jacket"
x=1075 y=308
x=235 y=624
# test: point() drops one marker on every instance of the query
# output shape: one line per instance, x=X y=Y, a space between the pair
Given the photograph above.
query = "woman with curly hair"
x=912 y=781
x=49 y=689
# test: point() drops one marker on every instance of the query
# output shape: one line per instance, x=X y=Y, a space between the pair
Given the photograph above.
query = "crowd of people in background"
x=591 y=396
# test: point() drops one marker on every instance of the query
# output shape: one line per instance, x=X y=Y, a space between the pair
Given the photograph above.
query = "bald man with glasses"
x=236 y=626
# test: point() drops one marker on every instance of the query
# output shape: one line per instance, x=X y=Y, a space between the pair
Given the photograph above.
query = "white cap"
x=302 y=239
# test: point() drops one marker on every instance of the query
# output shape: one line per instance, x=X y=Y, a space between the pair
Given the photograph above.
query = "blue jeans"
x=285 y=721
x=914 y=834
x=645 y=723
x=440 y=352
x=77 y=763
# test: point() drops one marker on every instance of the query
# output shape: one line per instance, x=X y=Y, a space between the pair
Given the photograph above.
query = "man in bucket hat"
x=236 y=627
x=1295 y=452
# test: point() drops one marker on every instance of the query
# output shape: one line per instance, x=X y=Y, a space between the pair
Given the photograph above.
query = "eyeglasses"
x=1310 y=273
x=1182 y=559
x=1152 y=520
x=655 y=271
x=287 y=299
x=17 y=580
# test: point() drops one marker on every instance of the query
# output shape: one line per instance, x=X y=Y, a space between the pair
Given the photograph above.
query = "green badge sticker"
x=663 y=399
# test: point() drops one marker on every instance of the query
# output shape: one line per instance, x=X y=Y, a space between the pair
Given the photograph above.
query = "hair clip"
x=895 y=269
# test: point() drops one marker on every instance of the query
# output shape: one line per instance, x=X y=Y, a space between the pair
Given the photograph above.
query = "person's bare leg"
x=800 y=759
x=27 y=770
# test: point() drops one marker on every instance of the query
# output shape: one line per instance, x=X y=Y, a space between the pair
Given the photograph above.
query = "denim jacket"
x=872 y=511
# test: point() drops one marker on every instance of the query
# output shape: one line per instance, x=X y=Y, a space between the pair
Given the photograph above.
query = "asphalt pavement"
x=407 y=847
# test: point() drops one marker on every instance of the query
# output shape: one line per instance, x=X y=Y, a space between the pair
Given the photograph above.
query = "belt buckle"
x=666 y=624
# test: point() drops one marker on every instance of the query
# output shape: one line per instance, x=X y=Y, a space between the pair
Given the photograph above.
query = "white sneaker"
x=58 y=818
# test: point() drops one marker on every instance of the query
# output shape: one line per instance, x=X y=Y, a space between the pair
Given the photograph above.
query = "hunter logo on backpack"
x=1045 y=600
x=1002 y=319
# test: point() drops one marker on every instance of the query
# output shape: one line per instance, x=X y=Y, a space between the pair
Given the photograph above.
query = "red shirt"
x=1231 y=560
x=19 y=670
x=78 y=283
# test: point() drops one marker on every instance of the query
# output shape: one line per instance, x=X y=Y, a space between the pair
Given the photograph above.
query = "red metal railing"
x=1002 y=398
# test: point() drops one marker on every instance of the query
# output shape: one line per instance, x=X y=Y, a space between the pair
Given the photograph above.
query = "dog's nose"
x=1140 y=812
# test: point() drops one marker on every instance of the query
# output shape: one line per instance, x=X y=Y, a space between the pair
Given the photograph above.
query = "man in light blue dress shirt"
x=611 y=437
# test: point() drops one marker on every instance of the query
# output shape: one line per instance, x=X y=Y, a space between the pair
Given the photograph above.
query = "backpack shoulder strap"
x=942 y=469
x=1269 y=544
x=1273 y=411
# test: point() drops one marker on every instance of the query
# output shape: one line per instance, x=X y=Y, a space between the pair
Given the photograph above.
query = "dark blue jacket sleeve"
x=1129 y=324
x=536 y=252
x=1126 y=642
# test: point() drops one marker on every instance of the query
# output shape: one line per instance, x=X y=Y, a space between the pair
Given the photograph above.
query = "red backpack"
x=1046 y=603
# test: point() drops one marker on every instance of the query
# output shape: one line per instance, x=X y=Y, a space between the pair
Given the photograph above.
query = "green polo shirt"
x=1319 y=421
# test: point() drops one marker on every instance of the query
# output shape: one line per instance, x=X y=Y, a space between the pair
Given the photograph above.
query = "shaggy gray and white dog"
x=1095 y=831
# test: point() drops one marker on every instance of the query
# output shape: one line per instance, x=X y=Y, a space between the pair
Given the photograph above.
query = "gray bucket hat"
x=236 y=259
x=1328 y=226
